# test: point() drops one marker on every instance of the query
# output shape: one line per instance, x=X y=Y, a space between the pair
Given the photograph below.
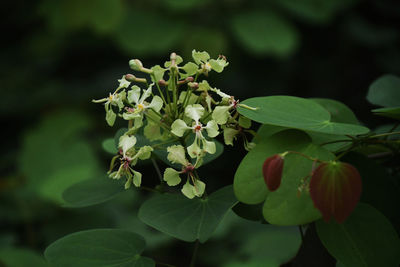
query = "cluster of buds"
x=334 y=186
x=184 y=108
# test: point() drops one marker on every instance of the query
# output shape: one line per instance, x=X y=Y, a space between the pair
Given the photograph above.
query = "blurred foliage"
x=58 y=55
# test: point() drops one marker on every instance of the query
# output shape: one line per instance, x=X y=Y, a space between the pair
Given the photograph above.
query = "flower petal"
x=221 y=114
x=209 y=146
x=200 y=57
x=194 y=111
x=188 y=190
x=123 y=83
x=171 y=176
x=134 y=94
x=126 y=142
x=110 y=117
x=194 y=149
x=144 y=152
x=146 y=93
x=137 y=178
x=176 y=154
x=230 y=135
x=156 y=103
x=218 y=65
x=199 y=188
x=179 y=127
x=212 y=129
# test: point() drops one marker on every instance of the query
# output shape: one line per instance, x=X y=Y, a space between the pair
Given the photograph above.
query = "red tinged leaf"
x=335 y=189
x=272 y=171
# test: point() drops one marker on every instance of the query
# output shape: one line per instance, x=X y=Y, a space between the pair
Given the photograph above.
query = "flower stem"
x=194 y=256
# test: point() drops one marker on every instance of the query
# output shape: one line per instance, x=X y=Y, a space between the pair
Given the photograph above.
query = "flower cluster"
x=183 y=116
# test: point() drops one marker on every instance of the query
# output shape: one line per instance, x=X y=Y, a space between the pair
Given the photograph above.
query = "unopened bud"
x=130 y=77
x=272 y=171
x=162 y=82
x=189 y=79
x=135 y=64
x=193 y=85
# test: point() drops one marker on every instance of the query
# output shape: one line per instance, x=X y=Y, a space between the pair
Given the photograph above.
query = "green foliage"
x=100 y=247
x=366 y=238
x=187 y=219
x=55 y=157
x=385 y=91
x=91 y=192
x=265 y=33
x=17 y=257
x=299 y=113
x=283 y=206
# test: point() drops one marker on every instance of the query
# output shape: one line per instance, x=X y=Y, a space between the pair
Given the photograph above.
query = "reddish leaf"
x=335 y=189
x=272 y=171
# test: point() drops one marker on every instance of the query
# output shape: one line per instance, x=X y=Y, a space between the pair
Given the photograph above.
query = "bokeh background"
x=56 y=56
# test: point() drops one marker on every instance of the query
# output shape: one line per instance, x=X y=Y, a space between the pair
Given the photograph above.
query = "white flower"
x=179 y=127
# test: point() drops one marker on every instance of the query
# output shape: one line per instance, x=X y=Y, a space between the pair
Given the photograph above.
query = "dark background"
x=56 y=56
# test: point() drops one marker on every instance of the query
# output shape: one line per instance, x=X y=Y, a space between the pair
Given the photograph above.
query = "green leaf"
x=339 y=112
x=54 y=157
x=296 y=112
x=265 y=33
x=109 y=146
x=388 y=112
x=366 y=238
x=91 y=192
x=17 y=257
x=315 y=11
x=187 y=219
x=385 y=91
x=283 y=206
x=99 y=247
x=143 y=33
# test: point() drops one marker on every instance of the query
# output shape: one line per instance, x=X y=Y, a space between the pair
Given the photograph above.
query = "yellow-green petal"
x=137 y=178
x=171 y=176
x=179 y=127
x=200 y=57
x=134 y=94
x=212 y=128
x=194 y=111
x=209 y=146
x=176 y=154
x=188 y=190
x=126 y=142
x=221 y=114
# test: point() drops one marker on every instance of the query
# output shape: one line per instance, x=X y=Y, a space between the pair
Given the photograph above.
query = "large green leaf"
x=296 y=112
x=265 y=33
x=366 y=238
x=99 y=247
x=283 y=206
x=54 y=157
x=339 y=112
x=17 y=257
x=187 y=219
x=385 y=91
x=91 y=192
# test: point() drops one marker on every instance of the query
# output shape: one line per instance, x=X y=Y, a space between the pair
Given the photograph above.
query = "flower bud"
x=130 y=77
x=135 y=64
x=335 y=189
x=272 y=171
x=162 y=82
x=193 y=85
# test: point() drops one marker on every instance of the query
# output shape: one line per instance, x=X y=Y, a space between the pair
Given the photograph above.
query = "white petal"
x=134 y=94
x=194 y=111
x=176 y=154
x=146 y=94
x=194 y=149
x=126 y=142
x=221 y=114
x=156 y=103
x=212 y=128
